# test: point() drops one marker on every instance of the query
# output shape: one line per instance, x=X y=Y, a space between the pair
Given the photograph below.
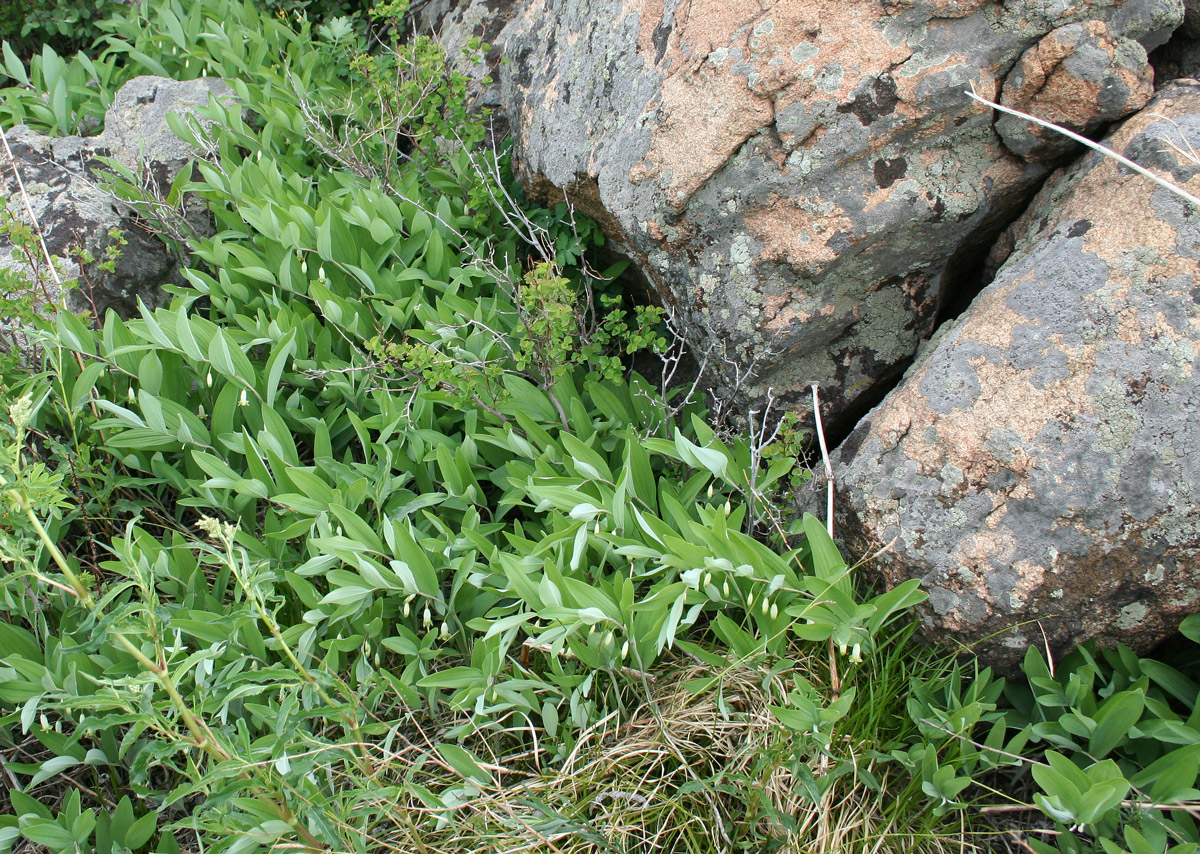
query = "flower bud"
x=242 y=399
x=774 y=611
x=427 y=618
x=304 y=266
x=445 y=630
x=766 y=605
x=208 y=379
x=725 y=588
x=625 y=650
x=750 y=601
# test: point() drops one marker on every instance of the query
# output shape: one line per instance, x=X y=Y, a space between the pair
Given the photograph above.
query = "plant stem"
x=201 y=734
x=77 y=586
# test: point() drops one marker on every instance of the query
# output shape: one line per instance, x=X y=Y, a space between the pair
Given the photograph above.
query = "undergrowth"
x=369 y=541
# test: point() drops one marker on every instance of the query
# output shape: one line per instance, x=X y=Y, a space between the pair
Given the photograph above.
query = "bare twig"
x=1095 y=146
x=824 y=456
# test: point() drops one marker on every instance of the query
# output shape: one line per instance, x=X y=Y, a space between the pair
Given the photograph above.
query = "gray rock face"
x=455 y=23
x=798 y=180
x=1079 y=77
x=1038 y=467
x=1191 y=20
x=62 y=178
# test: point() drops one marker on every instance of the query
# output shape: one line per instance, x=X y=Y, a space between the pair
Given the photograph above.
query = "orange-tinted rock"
x=1080 y=77
x=1037 y=467
x=801 y=179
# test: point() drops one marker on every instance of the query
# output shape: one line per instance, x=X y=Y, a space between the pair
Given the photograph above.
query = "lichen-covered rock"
x=63 y=178
x=1080 y=77
x=1038 y=467
x=457 y=24
x=801 y=179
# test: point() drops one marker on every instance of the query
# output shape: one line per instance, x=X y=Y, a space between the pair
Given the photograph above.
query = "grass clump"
x=367 y=541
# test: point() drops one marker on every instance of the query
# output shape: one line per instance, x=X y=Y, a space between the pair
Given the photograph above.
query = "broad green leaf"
x=14 y=66
x=416 y=560
x=73 y=333
x=1190 y=628
x=49 y=833
x=52 y=767
x=827 y=561
x=454 y=678
x=15 y=640
x=710 y=459
x=357 y=529
x=464 y=763
x=1171 y=777
x=1114 y=720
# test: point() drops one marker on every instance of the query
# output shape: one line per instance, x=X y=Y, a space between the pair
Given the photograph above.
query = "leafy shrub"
x=1122 y=736
x=68 y=25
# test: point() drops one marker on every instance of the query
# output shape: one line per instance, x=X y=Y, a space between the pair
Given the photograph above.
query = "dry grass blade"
x=701 y=766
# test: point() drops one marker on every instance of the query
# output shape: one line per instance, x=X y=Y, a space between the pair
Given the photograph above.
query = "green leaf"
x=74 y=335
x=827 y=561
x=85 y=383
x=229 y=359
x=52 y=767
x=454 y=678
x=325 y=234
x=14 y=66
x=900 y=598
x=710 y=459
x=464 y=763
x=314 y=487
x=276 y=364
x=529 y=399
x=347 y=595
x=415 y=560
x=1062 y=779
x=15 y=640
x=356 y=529
x=1190 y=628
x=1101 y=799
x=1135 y=841
x=1114 y=720
x=1171 y=777
x=589 y=463
x=49 y=833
